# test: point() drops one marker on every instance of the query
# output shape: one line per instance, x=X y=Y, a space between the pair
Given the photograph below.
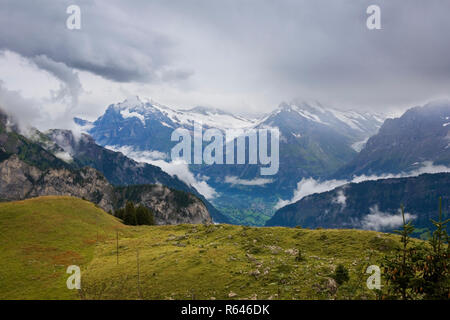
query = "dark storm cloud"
x=317 y=49
x=110 y=43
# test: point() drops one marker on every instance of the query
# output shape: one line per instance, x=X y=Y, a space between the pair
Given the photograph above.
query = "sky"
x=244 y=56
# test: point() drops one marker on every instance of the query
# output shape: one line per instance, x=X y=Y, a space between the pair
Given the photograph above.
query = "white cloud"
x=52 y=103
x=340 y=198
x=254 y=182
x=174 y=168
x=140 y=156
x=65 y=156
x=70 y=87
x=378 y=220
x=308 y=186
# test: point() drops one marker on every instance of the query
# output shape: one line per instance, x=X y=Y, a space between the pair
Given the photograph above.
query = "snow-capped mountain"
x=315 y=141
x=357 y=126
x=147 y=125
x=421 y=134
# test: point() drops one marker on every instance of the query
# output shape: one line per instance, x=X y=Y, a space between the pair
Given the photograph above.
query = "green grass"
x=43 y=236
x=40 y=237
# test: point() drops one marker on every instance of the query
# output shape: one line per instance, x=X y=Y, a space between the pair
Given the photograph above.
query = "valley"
x=60 y=192
x=314 y=142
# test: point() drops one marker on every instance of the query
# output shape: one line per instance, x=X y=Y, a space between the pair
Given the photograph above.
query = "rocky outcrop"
x=117 y=168
x=169 y=206
x=19 y=180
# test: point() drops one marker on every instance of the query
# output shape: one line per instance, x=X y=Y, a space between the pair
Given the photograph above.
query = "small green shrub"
x=340 y=275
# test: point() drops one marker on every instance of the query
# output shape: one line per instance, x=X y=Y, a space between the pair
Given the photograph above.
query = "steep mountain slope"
x=13 y=143
x=315 y=141
x=41 y=237
x=19 y=181
x=370 y=204
x=420 y=134
x=39 y=173
x=117 y=168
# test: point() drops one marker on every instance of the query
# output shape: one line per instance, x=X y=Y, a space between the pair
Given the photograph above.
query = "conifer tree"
x=399 y=270
x=435 y=265
x=144 y=216
x=130 y=214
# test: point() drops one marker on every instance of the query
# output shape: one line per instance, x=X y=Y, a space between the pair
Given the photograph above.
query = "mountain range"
x=417 y=142
x=315 y=141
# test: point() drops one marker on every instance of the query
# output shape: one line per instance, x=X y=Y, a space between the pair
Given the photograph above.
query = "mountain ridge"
x=420 y=134
x=366 y=203
x=28 y=170
x=311 y=145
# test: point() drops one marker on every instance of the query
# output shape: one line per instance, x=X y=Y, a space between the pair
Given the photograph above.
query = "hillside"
x=421 y=134
x=43 y=236
x=117 y=168
x=40 y=237
x=370 y=204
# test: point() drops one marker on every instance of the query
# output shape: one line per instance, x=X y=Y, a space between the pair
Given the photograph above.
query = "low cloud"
x=308 y=186
x=254 y=182
x=70 y=87
x=340 y=198
x=378 y=220
x=21 y=111
x=45 y=112
x=140 y=156
x=174 y=168
x=63 y=155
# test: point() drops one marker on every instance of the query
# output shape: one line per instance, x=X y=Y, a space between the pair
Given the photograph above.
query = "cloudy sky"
x=238 y=55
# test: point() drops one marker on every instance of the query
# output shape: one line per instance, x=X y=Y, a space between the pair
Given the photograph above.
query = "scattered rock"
x=255 y=273
x=274 y=249
x=250 y=257
x=254 y=297
x=331 y=286
x=232 y=294
x=292 y=252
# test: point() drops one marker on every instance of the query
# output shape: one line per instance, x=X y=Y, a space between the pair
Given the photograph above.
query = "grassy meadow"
x=41 y=237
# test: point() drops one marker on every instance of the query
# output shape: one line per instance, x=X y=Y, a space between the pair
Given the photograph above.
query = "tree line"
x=135 y=216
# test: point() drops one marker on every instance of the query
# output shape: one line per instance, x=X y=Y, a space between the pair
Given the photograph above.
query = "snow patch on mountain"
x=126 y=113
x=245 y=182
x=359 y=145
